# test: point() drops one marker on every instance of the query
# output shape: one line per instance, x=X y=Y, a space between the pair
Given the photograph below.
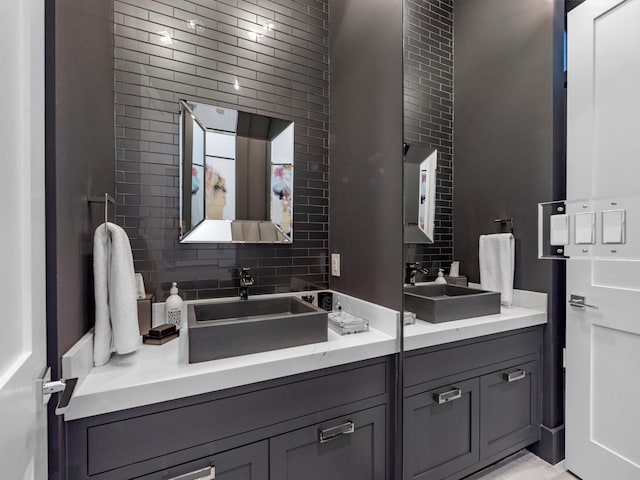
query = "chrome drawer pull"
x=514 y=376
x=208 y=473
x=334 y=432
x=449 y=396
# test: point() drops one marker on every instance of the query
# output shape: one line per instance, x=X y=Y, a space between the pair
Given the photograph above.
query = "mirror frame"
x=415 y=155
x=221 y=230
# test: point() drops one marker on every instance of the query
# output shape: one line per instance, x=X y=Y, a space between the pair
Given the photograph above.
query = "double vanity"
x=258 y=387
x=316 y=410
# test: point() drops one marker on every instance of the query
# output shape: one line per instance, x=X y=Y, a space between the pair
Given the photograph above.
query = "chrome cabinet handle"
x=334 y=432
x=579 y=301
x=514 y=376
x=449 y=396
x=207 y=473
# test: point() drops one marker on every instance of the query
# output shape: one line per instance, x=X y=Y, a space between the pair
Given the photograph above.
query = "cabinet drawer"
x=115 y=444
x=441 y=438
x=347 y=448
x=442 y=362
x=509 y=408
x=245 y=463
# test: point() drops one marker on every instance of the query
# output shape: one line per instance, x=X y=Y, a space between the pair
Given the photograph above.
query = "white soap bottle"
x=173 y=307
x=440 y=280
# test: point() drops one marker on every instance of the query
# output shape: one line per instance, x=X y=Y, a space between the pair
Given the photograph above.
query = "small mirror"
x=236 y=176
x=420 y=163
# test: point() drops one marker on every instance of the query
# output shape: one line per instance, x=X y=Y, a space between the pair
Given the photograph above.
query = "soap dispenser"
x=440 y=280
x=173 y=307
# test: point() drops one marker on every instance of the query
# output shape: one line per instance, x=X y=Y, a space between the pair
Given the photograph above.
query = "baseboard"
x=551 y=445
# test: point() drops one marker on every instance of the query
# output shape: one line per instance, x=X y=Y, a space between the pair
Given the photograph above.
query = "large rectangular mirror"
x=420 y=164
x=236 y=181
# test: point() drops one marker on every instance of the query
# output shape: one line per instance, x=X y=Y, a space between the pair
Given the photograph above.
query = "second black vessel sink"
x=444 y=303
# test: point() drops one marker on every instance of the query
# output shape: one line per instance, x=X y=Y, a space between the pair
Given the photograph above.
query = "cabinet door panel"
x=250 y=462
x=360 y=455
x=441 y=438
x=509 y=409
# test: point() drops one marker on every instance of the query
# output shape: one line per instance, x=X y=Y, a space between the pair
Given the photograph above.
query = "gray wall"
x=80 y=162
x=508 y=74
x=366 y=148
x=284 y=74
x=80 y=155
x=504 y=127
x=428 y=112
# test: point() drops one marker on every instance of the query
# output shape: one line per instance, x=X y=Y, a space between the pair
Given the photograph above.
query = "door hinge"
x=46 y=387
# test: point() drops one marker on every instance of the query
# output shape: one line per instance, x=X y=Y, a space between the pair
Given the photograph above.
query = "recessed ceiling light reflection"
x=194 y=25
x=165 y=37
x=236 y=85
x=253 y=36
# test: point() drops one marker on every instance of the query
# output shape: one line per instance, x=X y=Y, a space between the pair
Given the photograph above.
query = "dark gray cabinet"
x=351 y=447
x=236 y=429
x=441 y=427
x=509 y=408
x=469 y=404
x=244 y=463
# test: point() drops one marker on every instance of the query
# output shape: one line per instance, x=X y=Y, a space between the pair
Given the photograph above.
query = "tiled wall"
x=428 y=110
x=283 y=74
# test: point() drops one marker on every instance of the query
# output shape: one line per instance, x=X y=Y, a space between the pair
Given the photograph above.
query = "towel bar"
x=505 y=221
x=107 y=199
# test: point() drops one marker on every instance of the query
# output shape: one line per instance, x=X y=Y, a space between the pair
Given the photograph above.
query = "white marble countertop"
x=156 y=374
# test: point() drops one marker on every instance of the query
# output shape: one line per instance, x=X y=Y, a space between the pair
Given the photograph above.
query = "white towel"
x=497 y=264
x=115 y=294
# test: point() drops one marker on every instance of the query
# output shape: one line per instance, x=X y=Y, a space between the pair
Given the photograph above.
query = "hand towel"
x=115 y=294
x=497 y=264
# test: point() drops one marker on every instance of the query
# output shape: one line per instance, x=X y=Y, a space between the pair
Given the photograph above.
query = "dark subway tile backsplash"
x=283 y=74
x=428 y=111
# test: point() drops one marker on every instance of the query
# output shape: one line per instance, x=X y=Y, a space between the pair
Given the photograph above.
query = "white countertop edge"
x=424 y=334
x=95 y=398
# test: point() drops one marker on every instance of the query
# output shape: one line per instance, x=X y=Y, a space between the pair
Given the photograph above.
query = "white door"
x=603 y=175
x=23 y=447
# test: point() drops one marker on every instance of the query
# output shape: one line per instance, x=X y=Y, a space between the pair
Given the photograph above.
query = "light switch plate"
x=335 y=264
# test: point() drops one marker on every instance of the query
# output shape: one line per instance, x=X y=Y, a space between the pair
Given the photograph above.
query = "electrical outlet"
x=335 y=264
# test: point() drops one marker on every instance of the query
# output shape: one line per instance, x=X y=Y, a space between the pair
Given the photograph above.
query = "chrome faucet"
x=411 y=270
x=246 y=281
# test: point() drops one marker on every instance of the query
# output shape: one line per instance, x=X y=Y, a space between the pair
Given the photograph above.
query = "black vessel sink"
x=238 y=327
x=444 y=303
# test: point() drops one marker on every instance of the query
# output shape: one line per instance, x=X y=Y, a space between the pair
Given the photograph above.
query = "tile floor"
x=524 y=465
